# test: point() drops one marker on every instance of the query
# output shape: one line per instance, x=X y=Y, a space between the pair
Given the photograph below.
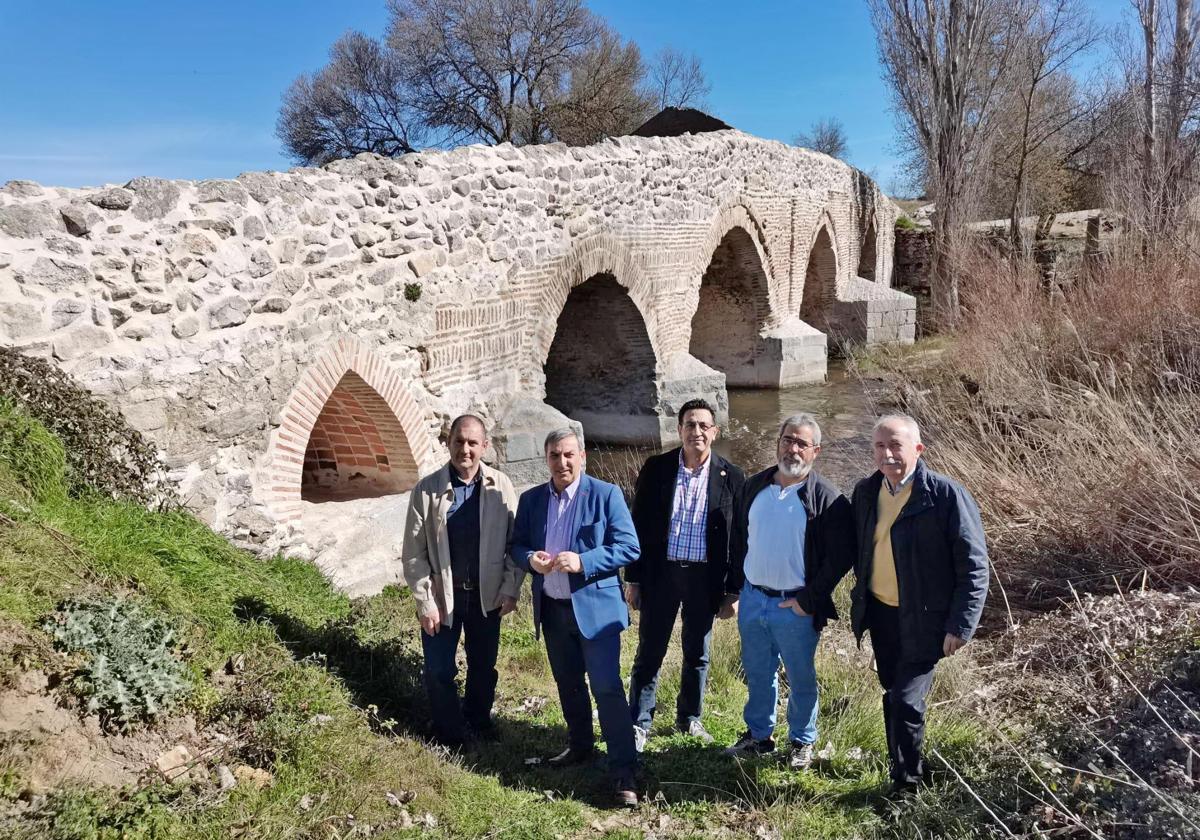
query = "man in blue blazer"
x=573 y=534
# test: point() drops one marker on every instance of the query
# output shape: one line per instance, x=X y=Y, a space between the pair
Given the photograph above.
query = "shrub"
x=103 y=452
x=905 y=223
x=412 y=292
x=130 y=672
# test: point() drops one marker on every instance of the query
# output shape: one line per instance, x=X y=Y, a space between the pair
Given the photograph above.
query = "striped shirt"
x=560 y=534
x=687 y=539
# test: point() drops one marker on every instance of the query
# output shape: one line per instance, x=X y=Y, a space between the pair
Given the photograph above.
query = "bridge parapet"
x=606 y=283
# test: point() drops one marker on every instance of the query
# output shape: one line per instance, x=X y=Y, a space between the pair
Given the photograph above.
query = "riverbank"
x=299 y=712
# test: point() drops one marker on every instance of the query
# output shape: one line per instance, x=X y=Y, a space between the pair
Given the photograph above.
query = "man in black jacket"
x=921 y=580
x=681 y=511
x=792 y=540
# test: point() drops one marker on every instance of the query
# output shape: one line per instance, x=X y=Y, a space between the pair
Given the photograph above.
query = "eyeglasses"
x=790 y=442
x=693 y=426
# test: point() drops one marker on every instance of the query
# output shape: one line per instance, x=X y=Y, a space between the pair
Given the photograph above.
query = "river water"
x=844 y=406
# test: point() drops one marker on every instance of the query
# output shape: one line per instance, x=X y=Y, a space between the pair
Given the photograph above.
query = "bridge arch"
x=868 y=255
x=820 y=276
x=598 y=348
x=734 y=303
x=350 y=429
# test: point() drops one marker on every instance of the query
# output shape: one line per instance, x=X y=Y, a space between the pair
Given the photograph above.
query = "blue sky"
x=94 y=92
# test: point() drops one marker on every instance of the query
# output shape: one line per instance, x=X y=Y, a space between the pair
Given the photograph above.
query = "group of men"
x=703 y=542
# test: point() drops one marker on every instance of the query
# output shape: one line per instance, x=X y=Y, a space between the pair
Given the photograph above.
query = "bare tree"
x=490 y=70
x=1053 y=35
x=826 y=135
x=604 y=97
x=677 y=80
x=1156 y=168
x=359 y=102
x=454 y=71
x=947 y=63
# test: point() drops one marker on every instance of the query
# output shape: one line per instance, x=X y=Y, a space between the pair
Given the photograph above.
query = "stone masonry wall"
x=220 y=316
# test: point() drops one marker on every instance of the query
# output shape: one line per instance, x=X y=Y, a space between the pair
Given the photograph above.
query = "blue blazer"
x=605 y=540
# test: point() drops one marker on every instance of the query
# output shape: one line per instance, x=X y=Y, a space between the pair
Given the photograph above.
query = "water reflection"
x=844 y=406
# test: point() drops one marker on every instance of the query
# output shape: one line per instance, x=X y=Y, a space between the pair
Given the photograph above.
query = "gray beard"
x=795 y=469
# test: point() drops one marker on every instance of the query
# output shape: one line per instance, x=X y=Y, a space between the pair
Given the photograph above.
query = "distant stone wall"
x=245 y=324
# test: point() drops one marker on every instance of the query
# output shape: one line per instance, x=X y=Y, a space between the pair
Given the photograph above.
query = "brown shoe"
x=624 y=795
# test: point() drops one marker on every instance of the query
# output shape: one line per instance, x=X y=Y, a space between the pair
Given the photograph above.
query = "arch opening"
x=357 y=448
x=867 y=256
x=732 y=310
x=820 y=282
x=601 y=368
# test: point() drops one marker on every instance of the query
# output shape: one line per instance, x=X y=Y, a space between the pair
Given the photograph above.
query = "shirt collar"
x=700 y=470
x=456 y=481
x=904 y=482
x=570 y=490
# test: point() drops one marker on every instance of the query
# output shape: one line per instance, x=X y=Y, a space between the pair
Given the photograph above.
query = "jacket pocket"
x=590 y=536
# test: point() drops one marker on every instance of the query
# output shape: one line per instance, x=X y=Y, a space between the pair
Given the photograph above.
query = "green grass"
x=307 y=650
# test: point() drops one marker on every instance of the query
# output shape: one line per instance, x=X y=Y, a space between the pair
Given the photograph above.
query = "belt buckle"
x=466 y=586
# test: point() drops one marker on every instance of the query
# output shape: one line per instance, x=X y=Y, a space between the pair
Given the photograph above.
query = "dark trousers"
x=450 y=718
x=574 y=658
x=905 y=684
x=684 y=587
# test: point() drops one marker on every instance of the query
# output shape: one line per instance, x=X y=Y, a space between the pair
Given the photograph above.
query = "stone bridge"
x=295 y=340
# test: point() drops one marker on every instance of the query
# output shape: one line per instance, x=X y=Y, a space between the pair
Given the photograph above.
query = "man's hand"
x=508 y=604
x=541 y=562
x=951 y=644
x=568 y=561
x=791 y=604
x=633 y=596
x=729 y=607
x=431 y=622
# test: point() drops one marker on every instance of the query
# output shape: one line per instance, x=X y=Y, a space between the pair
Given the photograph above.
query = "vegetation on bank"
x=1075 y=714
x=289 y=677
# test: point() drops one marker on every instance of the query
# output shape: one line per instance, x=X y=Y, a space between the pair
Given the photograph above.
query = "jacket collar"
x=487 y=477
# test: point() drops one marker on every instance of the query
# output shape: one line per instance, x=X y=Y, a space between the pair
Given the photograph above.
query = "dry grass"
x=1072 y=415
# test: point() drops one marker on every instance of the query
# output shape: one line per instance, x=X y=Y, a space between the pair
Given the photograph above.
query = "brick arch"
x=596 y=346
x=599 y=255
x=351 y=393
x=733 y=309
x=820 y=275
x=739 y=216
x=868 y=253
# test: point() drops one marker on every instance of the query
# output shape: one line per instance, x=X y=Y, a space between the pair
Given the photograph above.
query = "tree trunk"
x=1149 y=21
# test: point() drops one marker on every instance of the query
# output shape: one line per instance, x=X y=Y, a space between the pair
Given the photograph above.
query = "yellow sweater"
x=883 y=567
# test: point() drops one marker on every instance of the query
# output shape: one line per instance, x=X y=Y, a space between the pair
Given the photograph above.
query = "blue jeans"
x=770 y=634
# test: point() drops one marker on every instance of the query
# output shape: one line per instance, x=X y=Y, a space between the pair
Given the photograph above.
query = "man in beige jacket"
x=456 y=563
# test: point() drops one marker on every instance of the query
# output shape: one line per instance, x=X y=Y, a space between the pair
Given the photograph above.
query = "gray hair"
x=561 y=434
x=805 y=420
x=904 y=420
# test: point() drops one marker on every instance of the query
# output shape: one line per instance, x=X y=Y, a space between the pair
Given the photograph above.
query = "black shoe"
x=572 y=756
x=487 y=732
x=748 y=745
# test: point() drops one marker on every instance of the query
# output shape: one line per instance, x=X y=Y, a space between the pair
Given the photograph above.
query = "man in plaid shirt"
x=681 y=509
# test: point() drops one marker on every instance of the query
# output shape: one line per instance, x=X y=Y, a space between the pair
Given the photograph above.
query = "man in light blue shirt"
x=790 y=530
